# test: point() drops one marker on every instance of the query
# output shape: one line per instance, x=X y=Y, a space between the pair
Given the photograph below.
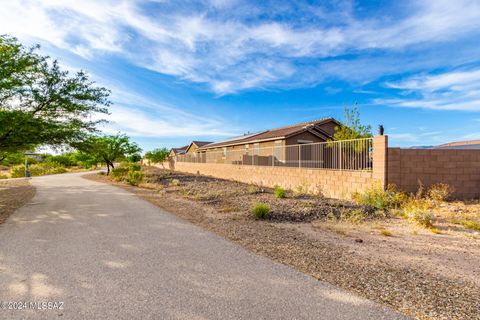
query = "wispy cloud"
x=139 y=116
x=454 y=90
x=224 y=44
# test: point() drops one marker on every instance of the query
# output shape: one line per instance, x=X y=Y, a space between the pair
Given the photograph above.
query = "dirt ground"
x=418 y=272
x=14 y=194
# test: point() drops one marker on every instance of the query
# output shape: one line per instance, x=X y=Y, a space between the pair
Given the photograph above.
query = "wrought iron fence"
x=355 y=154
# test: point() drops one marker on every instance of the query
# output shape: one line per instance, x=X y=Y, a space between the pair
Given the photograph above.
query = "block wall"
x=458 y=168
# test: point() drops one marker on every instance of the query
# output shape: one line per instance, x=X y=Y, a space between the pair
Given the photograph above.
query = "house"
x=279 y=145
x=472 y=144
x=194 y=145
x=176 y=151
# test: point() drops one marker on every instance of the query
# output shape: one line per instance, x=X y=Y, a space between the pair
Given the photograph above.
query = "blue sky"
x=206 y=70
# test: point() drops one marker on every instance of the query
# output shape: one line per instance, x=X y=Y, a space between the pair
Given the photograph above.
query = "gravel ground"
x=14 y=193
x=222 y=206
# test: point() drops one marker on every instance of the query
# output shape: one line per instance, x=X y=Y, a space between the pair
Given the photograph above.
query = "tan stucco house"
x=176 y=151
x=267 y=146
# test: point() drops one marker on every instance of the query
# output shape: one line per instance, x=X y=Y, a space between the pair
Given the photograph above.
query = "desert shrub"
x=470 y=224
x=135 y=167
x=3 y=176
x=251 y=189
x=40 y=169
x=378 y=197
x=260 y=211
x=174 y=182
x=422 y=217
x=57 y=170
x=279 y=192
x=440 y=192
x=17 y=171
x=134 y=177
x=300 y=191
x=119 y=173
x=353 y=215
x=419 y=211
x=386 y=233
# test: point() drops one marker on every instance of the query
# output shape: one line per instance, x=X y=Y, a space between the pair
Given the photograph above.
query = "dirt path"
x=107 y=254
x=410 y=288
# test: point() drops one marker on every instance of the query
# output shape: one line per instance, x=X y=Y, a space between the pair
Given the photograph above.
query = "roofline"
x=241 y=143
x=233 y=143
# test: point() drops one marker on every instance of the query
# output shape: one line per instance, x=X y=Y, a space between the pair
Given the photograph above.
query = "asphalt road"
x=99 y=252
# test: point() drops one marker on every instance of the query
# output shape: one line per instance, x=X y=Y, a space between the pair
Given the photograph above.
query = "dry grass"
x=386 y=233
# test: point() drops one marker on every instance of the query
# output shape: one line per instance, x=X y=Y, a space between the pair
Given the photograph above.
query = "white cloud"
x=138 y=116
x=218 y=50
x=454 y=90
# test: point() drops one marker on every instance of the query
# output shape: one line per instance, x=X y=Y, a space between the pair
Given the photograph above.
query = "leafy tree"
x=10 y=159
x=109 y=148
x=40 y=104
x=351 y=127
x=86 y=160
x=157 y=156
x=134 y=158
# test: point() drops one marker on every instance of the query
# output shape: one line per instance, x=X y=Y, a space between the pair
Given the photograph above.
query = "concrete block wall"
x=330 y=183
x=458 y=168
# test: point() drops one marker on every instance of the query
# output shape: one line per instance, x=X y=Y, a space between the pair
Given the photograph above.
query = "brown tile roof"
x=201 y=143
x=180 y=150
x=282 y=132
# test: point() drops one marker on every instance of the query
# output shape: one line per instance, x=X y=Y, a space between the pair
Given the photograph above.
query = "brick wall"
x=331 y=183
x=458 y=168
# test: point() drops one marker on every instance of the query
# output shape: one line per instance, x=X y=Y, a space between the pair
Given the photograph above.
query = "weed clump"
x=260 y=211
x=440 y=192
x=279 y=192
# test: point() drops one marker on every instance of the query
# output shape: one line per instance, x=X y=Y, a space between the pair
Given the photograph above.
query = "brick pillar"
x=380 y=151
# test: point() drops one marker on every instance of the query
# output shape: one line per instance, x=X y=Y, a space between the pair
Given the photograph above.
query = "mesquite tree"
x=41 y=104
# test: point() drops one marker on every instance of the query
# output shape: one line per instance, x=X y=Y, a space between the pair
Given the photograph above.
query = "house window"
x=278 y=154
x=224 y=153
x=256 y=149
x=247 y=149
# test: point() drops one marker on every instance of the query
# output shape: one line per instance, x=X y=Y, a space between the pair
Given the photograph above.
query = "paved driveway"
x=107 y=254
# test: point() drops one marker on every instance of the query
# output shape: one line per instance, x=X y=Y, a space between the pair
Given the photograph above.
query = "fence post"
x=273 y=154
x=379 y=159
x=341 y=155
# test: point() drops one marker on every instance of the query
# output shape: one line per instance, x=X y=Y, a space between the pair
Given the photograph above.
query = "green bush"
x=40 y=169
x=17 y=171
x=134 y=177
x=31 y=160
x=260 y=211
x=119 y=173
x=279 y=192
x=135 y=167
